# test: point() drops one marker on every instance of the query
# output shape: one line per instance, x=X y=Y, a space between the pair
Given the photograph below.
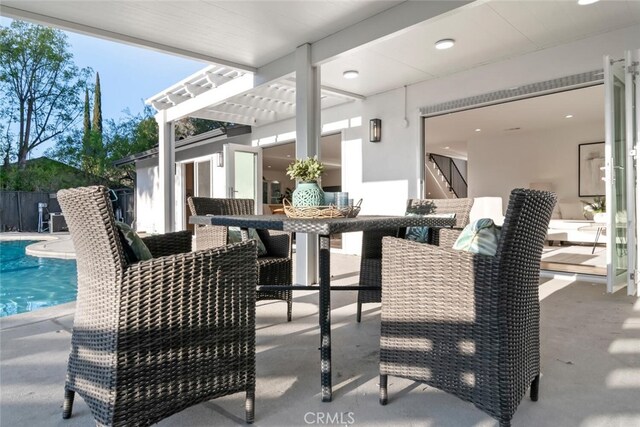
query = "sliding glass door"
x=621 y=117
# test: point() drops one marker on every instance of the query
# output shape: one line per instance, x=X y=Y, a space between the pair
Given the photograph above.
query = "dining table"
x=323 y=228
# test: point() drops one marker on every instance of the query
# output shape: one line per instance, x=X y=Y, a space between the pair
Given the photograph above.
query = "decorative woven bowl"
x=321 y=211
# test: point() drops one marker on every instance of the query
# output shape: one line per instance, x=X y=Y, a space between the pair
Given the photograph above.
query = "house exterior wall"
x=147 y=190
x=385 y=174
x=148 y=181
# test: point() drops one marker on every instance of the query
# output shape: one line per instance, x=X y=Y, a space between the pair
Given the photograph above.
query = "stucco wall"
x=148 y=184
x=147 y=188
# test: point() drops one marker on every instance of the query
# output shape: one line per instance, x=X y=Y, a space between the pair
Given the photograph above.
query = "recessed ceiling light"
x=446 y=148
x=269 y=166
x=445 y=44
x=568 y=116
x=586 y=2
x=288 y=155
x=350 y=74
x=478 y=130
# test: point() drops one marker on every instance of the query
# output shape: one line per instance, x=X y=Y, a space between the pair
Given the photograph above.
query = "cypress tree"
x=87 y=118
x=97 y=108
x=86 y=135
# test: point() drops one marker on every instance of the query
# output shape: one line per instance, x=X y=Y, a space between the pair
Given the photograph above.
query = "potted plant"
x=595 y=210
x=306 y=173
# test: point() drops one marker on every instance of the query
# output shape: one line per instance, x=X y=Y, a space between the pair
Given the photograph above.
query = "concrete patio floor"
x=590 y=365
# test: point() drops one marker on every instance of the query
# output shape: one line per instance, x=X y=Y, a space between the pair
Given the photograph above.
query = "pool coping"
x=57 y=245
x=37 y=316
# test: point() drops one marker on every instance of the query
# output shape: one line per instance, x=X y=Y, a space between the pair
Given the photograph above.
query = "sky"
x=128 y=74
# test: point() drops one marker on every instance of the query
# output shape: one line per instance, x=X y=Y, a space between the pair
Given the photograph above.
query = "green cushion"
x=421 y=234
x=134 y=248
x=234 y=236
x=479 y=237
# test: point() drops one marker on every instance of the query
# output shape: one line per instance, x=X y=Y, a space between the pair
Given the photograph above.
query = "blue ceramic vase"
x=308 y=194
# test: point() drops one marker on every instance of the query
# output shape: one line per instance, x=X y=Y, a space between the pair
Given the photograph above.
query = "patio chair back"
x=210 y=236
x=153 y=337
x=100 y=258
x=274 y=268
x=480 y=313
x=371 y=255
x=461 y=207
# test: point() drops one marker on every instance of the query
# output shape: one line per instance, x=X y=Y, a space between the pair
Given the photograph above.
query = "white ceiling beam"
x=16 y=13
x=176 y=99
x=211 y=97
x=263 y=103
x=282 y=67
x=378 y=27
x=159 y=106
x=194 y=90
x=327 y=90
x=244 y=110
x=221 y=116
x=279 y=92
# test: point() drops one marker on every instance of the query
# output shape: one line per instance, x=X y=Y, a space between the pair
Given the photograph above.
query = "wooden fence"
x=19 y=209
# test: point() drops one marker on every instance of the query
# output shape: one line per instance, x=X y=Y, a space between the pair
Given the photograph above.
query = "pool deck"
x=590 y=366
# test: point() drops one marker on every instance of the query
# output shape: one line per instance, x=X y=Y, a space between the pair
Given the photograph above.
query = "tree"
x=86 y=134
x=97 y=107
x=40 y=86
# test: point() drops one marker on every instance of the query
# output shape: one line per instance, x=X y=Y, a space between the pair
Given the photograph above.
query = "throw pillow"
x=479 y=237
x=421 y=234
x=134 y=248
x=234 y=236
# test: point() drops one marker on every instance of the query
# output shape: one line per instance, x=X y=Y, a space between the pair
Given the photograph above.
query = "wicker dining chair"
x=274 y=268
x=151 y=338
x=371 y=256
x=464 y=323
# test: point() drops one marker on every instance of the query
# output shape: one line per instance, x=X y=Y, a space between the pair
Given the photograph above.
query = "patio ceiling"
x=246 y=34
x=389 y=42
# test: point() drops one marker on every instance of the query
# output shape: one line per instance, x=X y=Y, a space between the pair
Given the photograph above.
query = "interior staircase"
x=448 y=175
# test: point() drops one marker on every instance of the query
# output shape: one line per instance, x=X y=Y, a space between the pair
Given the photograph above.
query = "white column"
x=166 y=173
x=307 y=145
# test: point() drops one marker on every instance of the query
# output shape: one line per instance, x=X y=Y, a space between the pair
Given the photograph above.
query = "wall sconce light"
x=219 y=159
x=375 y=130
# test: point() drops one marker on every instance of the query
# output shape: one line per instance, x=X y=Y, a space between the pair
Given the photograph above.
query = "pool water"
x=29 y=283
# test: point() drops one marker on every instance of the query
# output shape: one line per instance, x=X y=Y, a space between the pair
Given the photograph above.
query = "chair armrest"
x=190 y=281
x=446 y=237
x=169 y=243
x=278 y=243
x=422 y=282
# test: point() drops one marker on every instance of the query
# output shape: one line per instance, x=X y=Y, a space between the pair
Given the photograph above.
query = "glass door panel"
x=203 y=178
x=244 y=173
x=620 y=172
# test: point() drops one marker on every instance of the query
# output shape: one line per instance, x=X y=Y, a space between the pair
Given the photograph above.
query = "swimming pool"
x=28 y=283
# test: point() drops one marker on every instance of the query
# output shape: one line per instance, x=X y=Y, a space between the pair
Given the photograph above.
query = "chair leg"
x=535 y=385
x=289 y=309
x=249 y=406
x=383 y=390
x=359 y=312
x=67 y=406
